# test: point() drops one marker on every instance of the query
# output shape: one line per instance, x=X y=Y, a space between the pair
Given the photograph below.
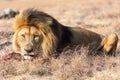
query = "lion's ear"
x=19 y=22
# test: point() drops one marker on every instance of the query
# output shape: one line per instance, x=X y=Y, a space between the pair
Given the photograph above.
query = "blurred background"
x=101 y=16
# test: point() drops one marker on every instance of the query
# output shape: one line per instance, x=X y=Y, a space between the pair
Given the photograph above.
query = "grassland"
x=101 y=16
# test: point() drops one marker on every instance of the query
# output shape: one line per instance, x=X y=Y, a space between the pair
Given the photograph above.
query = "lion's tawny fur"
x=53 y=36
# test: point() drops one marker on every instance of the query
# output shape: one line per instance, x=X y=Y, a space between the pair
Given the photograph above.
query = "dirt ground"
x=101 y=16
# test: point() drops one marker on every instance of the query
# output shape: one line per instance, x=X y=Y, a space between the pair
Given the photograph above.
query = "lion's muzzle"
x=28 y=47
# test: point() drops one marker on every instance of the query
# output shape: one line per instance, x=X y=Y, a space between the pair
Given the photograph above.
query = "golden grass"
x=73 y=64
x=76 y=66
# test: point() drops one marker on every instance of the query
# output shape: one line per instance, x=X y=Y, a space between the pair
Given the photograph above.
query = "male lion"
x=37 y=33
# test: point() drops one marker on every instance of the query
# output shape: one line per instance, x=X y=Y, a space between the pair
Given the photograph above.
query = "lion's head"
x=35 y=33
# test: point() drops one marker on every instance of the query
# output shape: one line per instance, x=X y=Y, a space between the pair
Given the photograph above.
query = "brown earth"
x=101 y=16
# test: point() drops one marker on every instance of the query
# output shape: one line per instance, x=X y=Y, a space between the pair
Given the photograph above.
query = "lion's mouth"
x=28 y=57
x=31 y=55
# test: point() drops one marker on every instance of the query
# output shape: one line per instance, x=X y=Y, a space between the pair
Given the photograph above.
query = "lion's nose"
x=29 y=50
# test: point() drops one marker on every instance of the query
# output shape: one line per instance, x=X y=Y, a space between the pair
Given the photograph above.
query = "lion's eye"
x=36 y=37
x=23 y=35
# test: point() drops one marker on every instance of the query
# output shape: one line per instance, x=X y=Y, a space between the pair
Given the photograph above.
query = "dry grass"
x=101 y=16
x=72 y=64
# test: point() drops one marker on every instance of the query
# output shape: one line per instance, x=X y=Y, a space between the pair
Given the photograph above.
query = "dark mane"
x=62 y=32
x=34 y=15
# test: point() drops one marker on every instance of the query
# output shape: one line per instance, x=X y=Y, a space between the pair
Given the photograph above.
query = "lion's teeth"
x=28 y=57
